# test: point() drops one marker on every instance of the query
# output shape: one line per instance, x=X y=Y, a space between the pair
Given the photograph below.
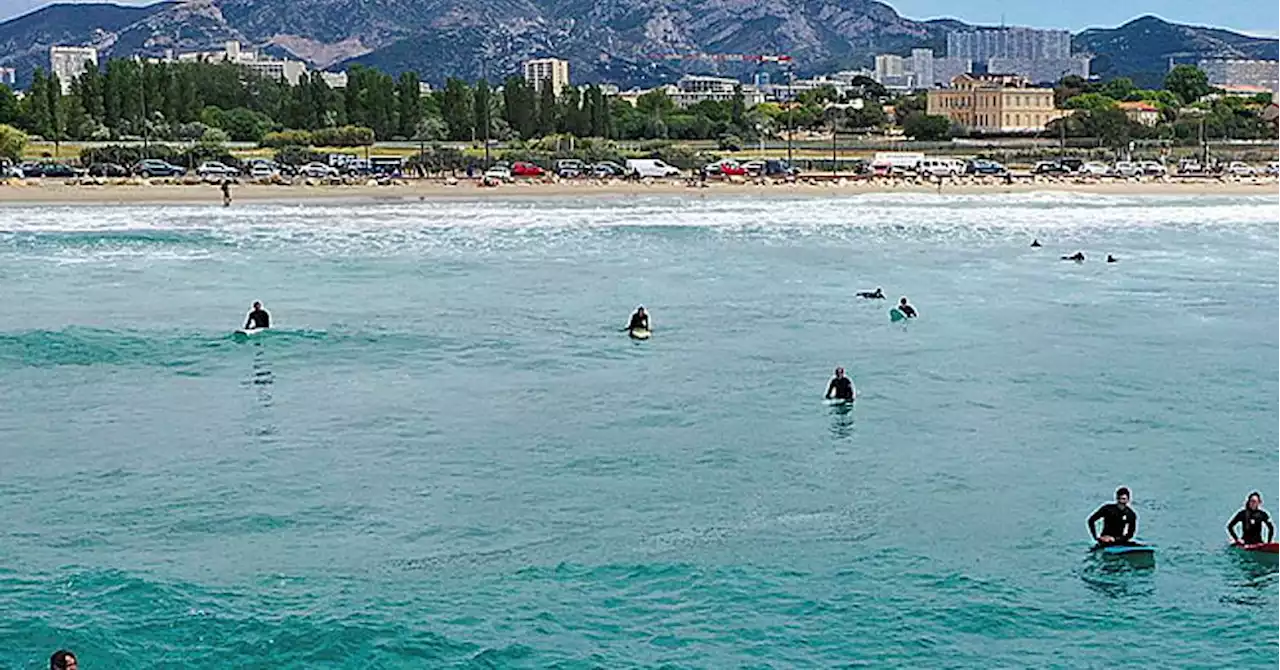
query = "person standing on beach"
x=226 y=192
x=63 y=660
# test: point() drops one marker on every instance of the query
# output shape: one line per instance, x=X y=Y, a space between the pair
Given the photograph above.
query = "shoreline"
x=61 y=193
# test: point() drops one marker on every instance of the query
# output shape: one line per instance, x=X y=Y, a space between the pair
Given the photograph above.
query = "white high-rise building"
x=547 y=70
x=291 y=71
x=1028 y=43
x=67 y=63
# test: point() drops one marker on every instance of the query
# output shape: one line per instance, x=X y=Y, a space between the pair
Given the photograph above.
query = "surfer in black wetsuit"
x=906 y=309
x=1251 y=520
x=258 y=318
x=1077 y=257
x=1112 y=259
x=1035 y=243
x=877 y=294
x=639 y=320
x=226 y=192
x=1119 y=521
x=841 y=387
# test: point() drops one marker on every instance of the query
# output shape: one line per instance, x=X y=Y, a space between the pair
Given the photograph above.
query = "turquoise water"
x=448 y=456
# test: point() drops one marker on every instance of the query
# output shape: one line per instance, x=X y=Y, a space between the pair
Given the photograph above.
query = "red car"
x=726 y=169
x=523 y=169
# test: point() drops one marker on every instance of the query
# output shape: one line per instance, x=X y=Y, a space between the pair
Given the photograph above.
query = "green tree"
x=483 y=109
x=573 y=118
x=1118 y=88
x=12 y=142
x=927 y=128
x=1109 y=125
x=8 y=105
x=908 y=105
x=456 y=109
x=1090 y=101
x=519 y=107
x=1188 y=82
x=548 y=119
x=655 y=103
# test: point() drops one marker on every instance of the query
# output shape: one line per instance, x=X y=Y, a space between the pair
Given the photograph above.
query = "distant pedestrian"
x=62 y=660
x=226 y=192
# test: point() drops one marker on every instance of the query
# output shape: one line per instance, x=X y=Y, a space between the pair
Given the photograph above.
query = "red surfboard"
x=1264 y=548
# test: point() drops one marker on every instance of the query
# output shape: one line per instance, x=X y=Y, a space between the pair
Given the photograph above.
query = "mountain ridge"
x=604 y=40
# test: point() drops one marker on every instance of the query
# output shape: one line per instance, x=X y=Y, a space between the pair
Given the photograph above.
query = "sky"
x=1257 y=17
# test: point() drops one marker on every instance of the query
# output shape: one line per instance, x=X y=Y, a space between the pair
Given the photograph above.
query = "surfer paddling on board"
x=1077 y=257
x=258 y=318
x=1251 y=520
x=841 y=387
x=639 y=320
x=877 y=294
x=906 y=308
x=1119 y=522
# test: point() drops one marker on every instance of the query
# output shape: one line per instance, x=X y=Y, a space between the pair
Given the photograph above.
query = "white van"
x=895 y=162
x=941 y=167
x=644 y=168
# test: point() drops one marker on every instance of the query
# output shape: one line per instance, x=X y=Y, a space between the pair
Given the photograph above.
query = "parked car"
x=605 y=169
x=318 y=171
x=940 y=167
x=569 y=168
x=262 y=171
x=1073 y=164
x=1153 y=169
x=107 y=170
x=525 y=169
x=1273 y=168
x=725 y=168
x=9 y=170
x=774 y=167
x=1238 y=169
x=1126 y=169
x=210 y=169
x=497 y=173
x=154 y=167
x=1050 y=167
x=1189 y=166
x=31 y=169
x=57 y=170
x=983 y=166
x=645 y=168
x=1093 y=169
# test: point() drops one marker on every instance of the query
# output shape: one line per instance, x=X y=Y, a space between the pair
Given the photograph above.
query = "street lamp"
x=791 y=107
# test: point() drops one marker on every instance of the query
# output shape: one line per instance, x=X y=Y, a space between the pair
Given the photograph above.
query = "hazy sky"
x=1260 y=17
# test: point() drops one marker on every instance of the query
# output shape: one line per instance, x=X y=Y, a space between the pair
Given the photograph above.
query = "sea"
x=447 y=454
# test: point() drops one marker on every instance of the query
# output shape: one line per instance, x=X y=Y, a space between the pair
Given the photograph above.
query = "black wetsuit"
x=907 y=311
x=843 y=388
x=258 y=318
x=639 y=322
x=1252 y=520
x=871 y=295
x=1120 y=524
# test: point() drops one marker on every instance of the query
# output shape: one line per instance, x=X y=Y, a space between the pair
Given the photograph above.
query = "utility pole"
x=834 y=125
x=484 y=74
x=791 y=107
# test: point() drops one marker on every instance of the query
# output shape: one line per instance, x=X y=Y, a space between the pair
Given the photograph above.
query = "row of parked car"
x=570 y=168
x=1149 y=168
x=156 y=168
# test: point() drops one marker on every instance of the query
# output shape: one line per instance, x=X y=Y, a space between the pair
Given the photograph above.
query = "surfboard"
x=246 y=333
x=896 y=315
x=639 y=334
x=836 y=402
x=1264 y=548
x=1135 y=550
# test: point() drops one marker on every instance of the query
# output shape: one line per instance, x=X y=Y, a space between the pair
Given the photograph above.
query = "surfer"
x=226 y=192
x=63 y=660
x=258 y=318
x=1112 y=259
x=841 y=387
x=1036 y=243
x=1077 y=257
x=877 y=294
x=1119 y=521
x=1251 y=520
x=639 y=320
x=906 y=309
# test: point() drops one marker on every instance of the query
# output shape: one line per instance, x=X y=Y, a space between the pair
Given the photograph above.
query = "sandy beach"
x=16 y=192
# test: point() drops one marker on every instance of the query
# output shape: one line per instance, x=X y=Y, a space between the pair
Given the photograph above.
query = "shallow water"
x=446 y=455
